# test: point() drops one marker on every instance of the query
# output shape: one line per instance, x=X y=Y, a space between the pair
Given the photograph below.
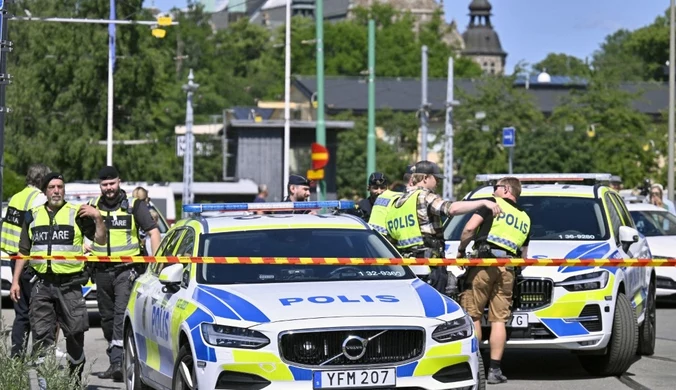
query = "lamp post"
x=287 y=98
x=190 y=88
x=672 y=78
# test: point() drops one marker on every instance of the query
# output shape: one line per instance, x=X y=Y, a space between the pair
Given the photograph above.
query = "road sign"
x=315 y=174
x=320 y=156
x=508 y=137
x=2 y=4
x=201 y=148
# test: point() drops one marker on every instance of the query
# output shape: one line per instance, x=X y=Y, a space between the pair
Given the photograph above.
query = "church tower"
x=481 y=41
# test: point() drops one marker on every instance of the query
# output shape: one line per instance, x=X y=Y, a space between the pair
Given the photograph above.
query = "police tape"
x=362 y=261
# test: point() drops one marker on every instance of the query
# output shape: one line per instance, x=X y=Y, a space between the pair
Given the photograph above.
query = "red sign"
x=320 y=156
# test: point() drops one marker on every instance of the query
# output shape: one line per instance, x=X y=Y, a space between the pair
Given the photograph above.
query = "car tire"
x=184 y=362
x=131 y=368
x=481 y=374
x=623 y=344
x=648 y=329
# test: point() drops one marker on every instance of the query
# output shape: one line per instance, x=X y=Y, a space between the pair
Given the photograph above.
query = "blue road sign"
x=2 y=4
x=508 y=137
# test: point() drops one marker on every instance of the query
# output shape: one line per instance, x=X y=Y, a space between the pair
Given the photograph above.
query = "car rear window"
x=297 y=243
x=552 y=218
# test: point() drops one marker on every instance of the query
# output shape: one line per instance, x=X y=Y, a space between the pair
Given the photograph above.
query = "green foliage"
x=560 y=64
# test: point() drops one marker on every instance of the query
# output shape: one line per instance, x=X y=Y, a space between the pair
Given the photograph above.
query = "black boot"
x=114 y=372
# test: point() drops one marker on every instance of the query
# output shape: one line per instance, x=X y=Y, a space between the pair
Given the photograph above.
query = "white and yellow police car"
x=273 y=326
x=603 y=314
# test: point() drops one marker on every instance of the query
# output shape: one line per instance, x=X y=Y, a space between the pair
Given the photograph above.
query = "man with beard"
x=58 y=229
x=377 y=185
x=299 y=191
x=123 y=217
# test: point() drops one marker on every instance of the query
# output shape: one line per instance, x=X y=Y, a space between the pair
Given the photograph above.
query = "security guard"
x=506 y=235
x=378 y=217
x=298 y=189
x=414 y=220
x=123 y=217
x=28 y=198
x=58 y=228
x=377 y=186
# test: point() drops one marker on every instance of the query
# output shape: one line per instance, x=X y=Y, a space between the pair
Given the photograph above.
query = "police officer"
x=124 y=217
x=506 y=235
x=58 y=228
x=378 y=216
x=28 y=198
x=414 y=220
x=377 y=185
x=298 y=189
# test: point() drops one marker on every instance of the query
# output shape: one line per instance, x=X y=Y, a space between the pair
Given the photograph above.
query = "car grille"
x=533 y=294
x=388 y=345
x=592 y=311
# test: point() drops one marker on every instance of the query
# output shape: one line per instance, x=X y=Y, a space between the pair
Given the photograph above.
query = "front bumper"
x=666 y=288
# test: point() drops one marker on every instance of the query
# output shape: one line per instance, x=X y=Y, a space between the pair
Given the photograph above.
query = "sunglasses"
x=655 y=193
x=495 y=187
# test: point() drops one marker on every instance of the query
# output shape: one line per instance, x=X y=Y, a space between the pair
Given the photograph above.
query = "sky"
x=530 y=29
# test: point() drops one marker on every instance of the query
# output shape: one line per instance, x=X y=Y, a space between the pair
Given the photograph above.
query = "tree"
x=559 y=64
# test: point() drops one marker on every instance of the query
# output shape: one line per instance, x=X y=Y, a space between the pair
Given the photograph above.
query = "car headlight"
x=592 y=281
x=232 y=337
x=453 y=330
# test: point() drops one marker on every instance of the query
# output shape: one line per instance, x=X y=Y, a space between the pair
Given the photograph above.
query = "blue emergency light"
x=272 y=206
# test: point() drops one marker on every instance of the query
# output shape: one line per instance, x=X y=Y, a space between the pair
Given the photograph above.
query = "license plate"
x=354 y=378
x=518 y=320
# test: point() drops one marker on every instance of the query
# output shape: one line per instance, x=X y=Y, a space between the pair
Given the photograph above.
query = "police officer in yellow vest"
x=414 y=220
x=123 y=217
x=506 y=235
x=19 y=204
x=58 y=228
x=378 y=216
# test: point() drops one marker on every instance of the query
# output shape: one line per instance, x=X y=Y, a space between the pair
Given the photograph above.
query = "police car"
x=299 y=326
x=603 y=314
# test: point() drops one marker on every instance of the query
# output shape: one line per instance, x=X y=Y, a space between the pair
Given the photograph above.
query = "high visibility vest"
x=378 y=218
x=123 y=235
x=58 y=237
x=510 y=229
x=16 y=213
x=403 y=225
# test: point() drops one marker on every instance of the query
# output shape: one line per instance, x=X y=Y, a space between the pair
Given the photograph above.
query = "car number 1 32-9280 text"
x=354 y=378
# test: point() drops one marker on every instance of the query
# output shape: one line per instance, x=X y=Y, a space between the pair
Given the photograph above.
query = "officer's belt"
x=51 y=277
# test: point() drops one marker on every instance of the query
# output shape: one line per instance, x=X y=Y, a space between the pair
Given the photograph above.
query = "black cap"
x=298 y=180
x=49 y=177
x=377 y=179
x=428 y=168
x=108 y=172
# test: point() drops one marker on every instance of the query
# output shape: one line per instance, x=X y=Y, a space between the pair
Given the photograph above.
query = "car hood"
x=305 y=300
x=662 y=246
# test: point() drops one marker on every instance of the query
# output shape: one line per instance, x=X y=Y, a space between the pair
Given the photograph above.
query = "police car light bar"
x=272 y=206
x=543 y=177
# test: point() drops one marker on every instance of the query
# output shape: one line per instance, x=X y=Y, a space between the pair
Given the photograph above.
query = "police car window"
x=614 y=215
x=552 y=218
x=297 y=243
x=622 y=209
x=186 y=246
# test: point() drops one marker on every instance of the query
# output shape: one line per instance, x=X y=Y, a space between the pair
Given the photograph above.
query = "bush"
x=54 y=372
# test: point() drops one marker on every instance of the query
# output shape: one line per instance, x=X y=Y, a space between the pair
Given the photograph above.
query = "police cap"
x=298 y=180
x=427 y=168
x=377 y=179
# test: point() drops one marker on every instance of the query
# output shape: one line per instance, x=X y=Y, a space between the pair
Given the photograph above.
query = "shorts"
x=489 y=285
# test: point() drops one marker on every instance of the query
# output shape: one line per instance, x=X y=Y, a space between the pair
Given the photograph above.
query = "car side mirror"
x=421 y=271
x=171 y=277
x=628 y=236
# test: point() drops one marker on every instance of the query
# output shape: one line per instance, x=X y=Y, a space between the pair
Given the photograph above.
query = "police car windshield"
x=552 y=218
x=297 y=243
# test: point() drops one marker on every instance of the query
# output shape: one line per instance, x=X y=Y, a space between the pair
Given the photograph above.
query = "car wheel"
x=185 y=377
x=481 y=385
x=131 y=367
x=648 y=330
x=622 y=346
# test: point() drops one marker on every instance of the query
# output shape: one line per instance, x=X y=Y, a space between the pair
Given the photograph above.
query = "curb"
x=34 y=382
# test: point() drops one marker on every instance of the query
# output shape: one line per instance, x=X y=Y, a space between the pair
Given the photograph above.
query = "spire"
x=481 y=41
x=479 y=9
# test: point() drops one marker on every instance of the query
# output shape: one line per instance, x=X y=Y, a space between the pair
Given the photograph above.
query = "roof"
x=563 y=190
x=482 y=40
x=404 y=94
x=241 y=187
x=291 y=221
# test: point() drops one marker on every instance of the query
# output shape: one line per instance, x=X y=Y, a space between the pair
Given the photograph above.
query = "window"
x=297 y=243
x=615 y=219
x=552 y=218
x=653 y=223
x=167 y=248
x=622 y=210
x=186 y=247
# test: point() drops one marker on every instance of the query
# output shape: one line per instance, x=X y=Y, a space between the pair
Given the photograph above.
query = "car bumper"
x=666 y=288
x=443 y=366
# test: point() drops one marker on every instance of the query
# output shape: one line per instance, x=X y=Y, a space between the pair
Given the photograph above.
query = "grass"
x=14 y=372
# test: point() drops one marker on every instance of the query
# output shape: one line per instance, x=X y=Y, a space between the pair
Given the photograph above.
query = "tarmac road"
x=541 y=370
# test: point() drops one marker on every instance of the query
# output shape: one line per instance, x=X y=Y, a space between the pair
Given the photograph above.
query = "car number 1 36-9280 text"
x=354 y=378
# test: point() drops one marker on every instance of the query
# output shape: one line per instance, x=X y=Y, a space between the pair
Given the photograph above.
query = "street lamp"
x=190 y=88
x=672 y=81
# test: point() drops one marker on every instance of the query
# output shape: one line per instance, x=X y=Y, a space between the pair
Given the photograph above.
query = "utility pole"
x=672 y=77
x=423 y=106
x=321 y=125
x=448 y=155
x=224 y=145
x=5 y=48
x=371 y=138
x=190 y=88
x=287 y=100
x=111 y=67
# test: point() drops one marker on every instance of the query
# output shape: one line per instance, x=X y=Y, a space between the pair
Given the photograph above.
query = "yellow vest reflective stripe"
x=16 y=212
x=403 y=225
x=58 y=237
x=123 y=239
x=378 y=218
x=510 y=229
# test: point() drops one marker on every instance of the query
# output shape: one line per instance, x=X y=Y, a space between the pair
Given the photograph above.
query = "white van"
x=161 y=195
